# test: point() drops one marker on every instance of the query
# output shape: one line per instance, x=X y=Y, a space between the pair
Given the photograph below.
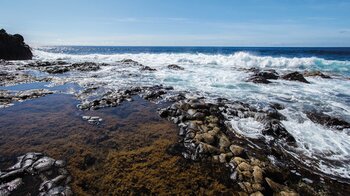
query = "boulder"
x=295 y=76
x=12 y=47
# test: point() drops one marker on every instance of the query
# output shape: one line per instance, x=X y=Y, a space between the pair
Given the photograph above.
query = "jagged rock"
x=326 y=120
x=12 y=47
x=276 y=129
x=295 y=76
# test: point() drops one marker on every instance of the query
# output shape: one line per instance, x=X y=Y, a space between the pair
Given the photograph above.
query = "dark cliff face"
x=12 y=47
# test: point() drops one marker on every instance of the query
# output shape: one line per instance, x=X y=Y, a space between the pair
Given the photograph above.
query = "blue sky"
x=179 y=22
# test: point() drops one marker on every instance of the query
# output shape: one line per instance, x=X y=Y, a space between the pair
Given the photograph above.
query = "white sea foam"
x=216 y=75
x=237 y=60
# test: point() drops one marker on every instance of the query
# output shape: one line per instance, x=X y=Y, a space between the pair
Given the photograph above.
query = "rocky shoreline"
x=254 y=167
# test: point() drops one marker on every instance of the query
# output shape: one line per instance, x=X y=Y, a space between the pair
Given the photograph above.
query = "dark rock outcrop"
x=268 y=74
x=12 y=47
x=175 y=67
x=59 y=67
x=295 y=76
x=326 y=120
x=147 y=68
x=258 y=79
x=263 y=76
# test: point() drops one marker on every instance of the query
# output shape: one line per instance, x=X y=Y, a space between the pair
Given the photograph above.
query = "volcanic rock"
x=295 y=76
x=12 y=47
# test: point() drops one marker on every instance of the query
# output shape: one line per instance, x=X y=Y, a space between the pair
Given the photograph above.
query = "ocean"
x=221 y=72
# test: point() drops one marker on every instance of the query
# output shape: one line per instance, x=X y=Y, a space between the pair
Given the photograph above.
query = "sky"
x=179 y=22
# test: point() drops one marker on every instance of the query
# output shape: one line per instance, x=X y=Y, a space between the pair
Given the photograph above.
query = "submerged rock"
x=95 y=120
x=175 y=67
x=8 y=97
x=147 y=68
x=258 y=79
x=316 y=74
x=129 y=61
x=10 y=78
x=115 y=98
x=295 y=76
x=12 y=47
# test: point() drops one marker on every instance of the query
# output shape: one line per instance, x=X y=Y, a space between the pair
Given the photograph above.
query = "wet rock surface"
x=175 y=67
x=32 y=167
x=206 y=138
x=95 y=120
x=115 y=98
x=316 y=74
x=12 y=47
x=326 y=120
x=59 y=67
x=295 y=76
x=7 y=98
x=12 y=78
x=263 y=76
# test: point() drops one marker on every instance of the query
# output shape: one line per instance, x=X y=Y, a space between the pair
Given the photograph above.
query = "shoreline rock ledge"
x=12 y=47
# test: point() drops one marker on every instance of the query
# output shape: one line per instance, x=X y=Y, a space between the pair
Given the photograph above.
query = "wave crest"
x=236 y=60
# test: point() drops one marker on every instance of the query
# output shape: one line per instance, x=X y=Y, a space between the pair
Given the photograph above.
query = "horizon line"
x=197 y=46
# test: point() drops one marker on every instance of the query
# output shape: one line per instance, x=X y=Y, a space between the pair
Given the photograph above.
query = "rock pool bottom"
x=125 y=154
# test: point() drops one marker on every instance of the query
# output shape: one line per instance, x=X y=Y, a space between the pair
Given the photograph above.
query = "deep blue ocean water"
x=333 y=53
